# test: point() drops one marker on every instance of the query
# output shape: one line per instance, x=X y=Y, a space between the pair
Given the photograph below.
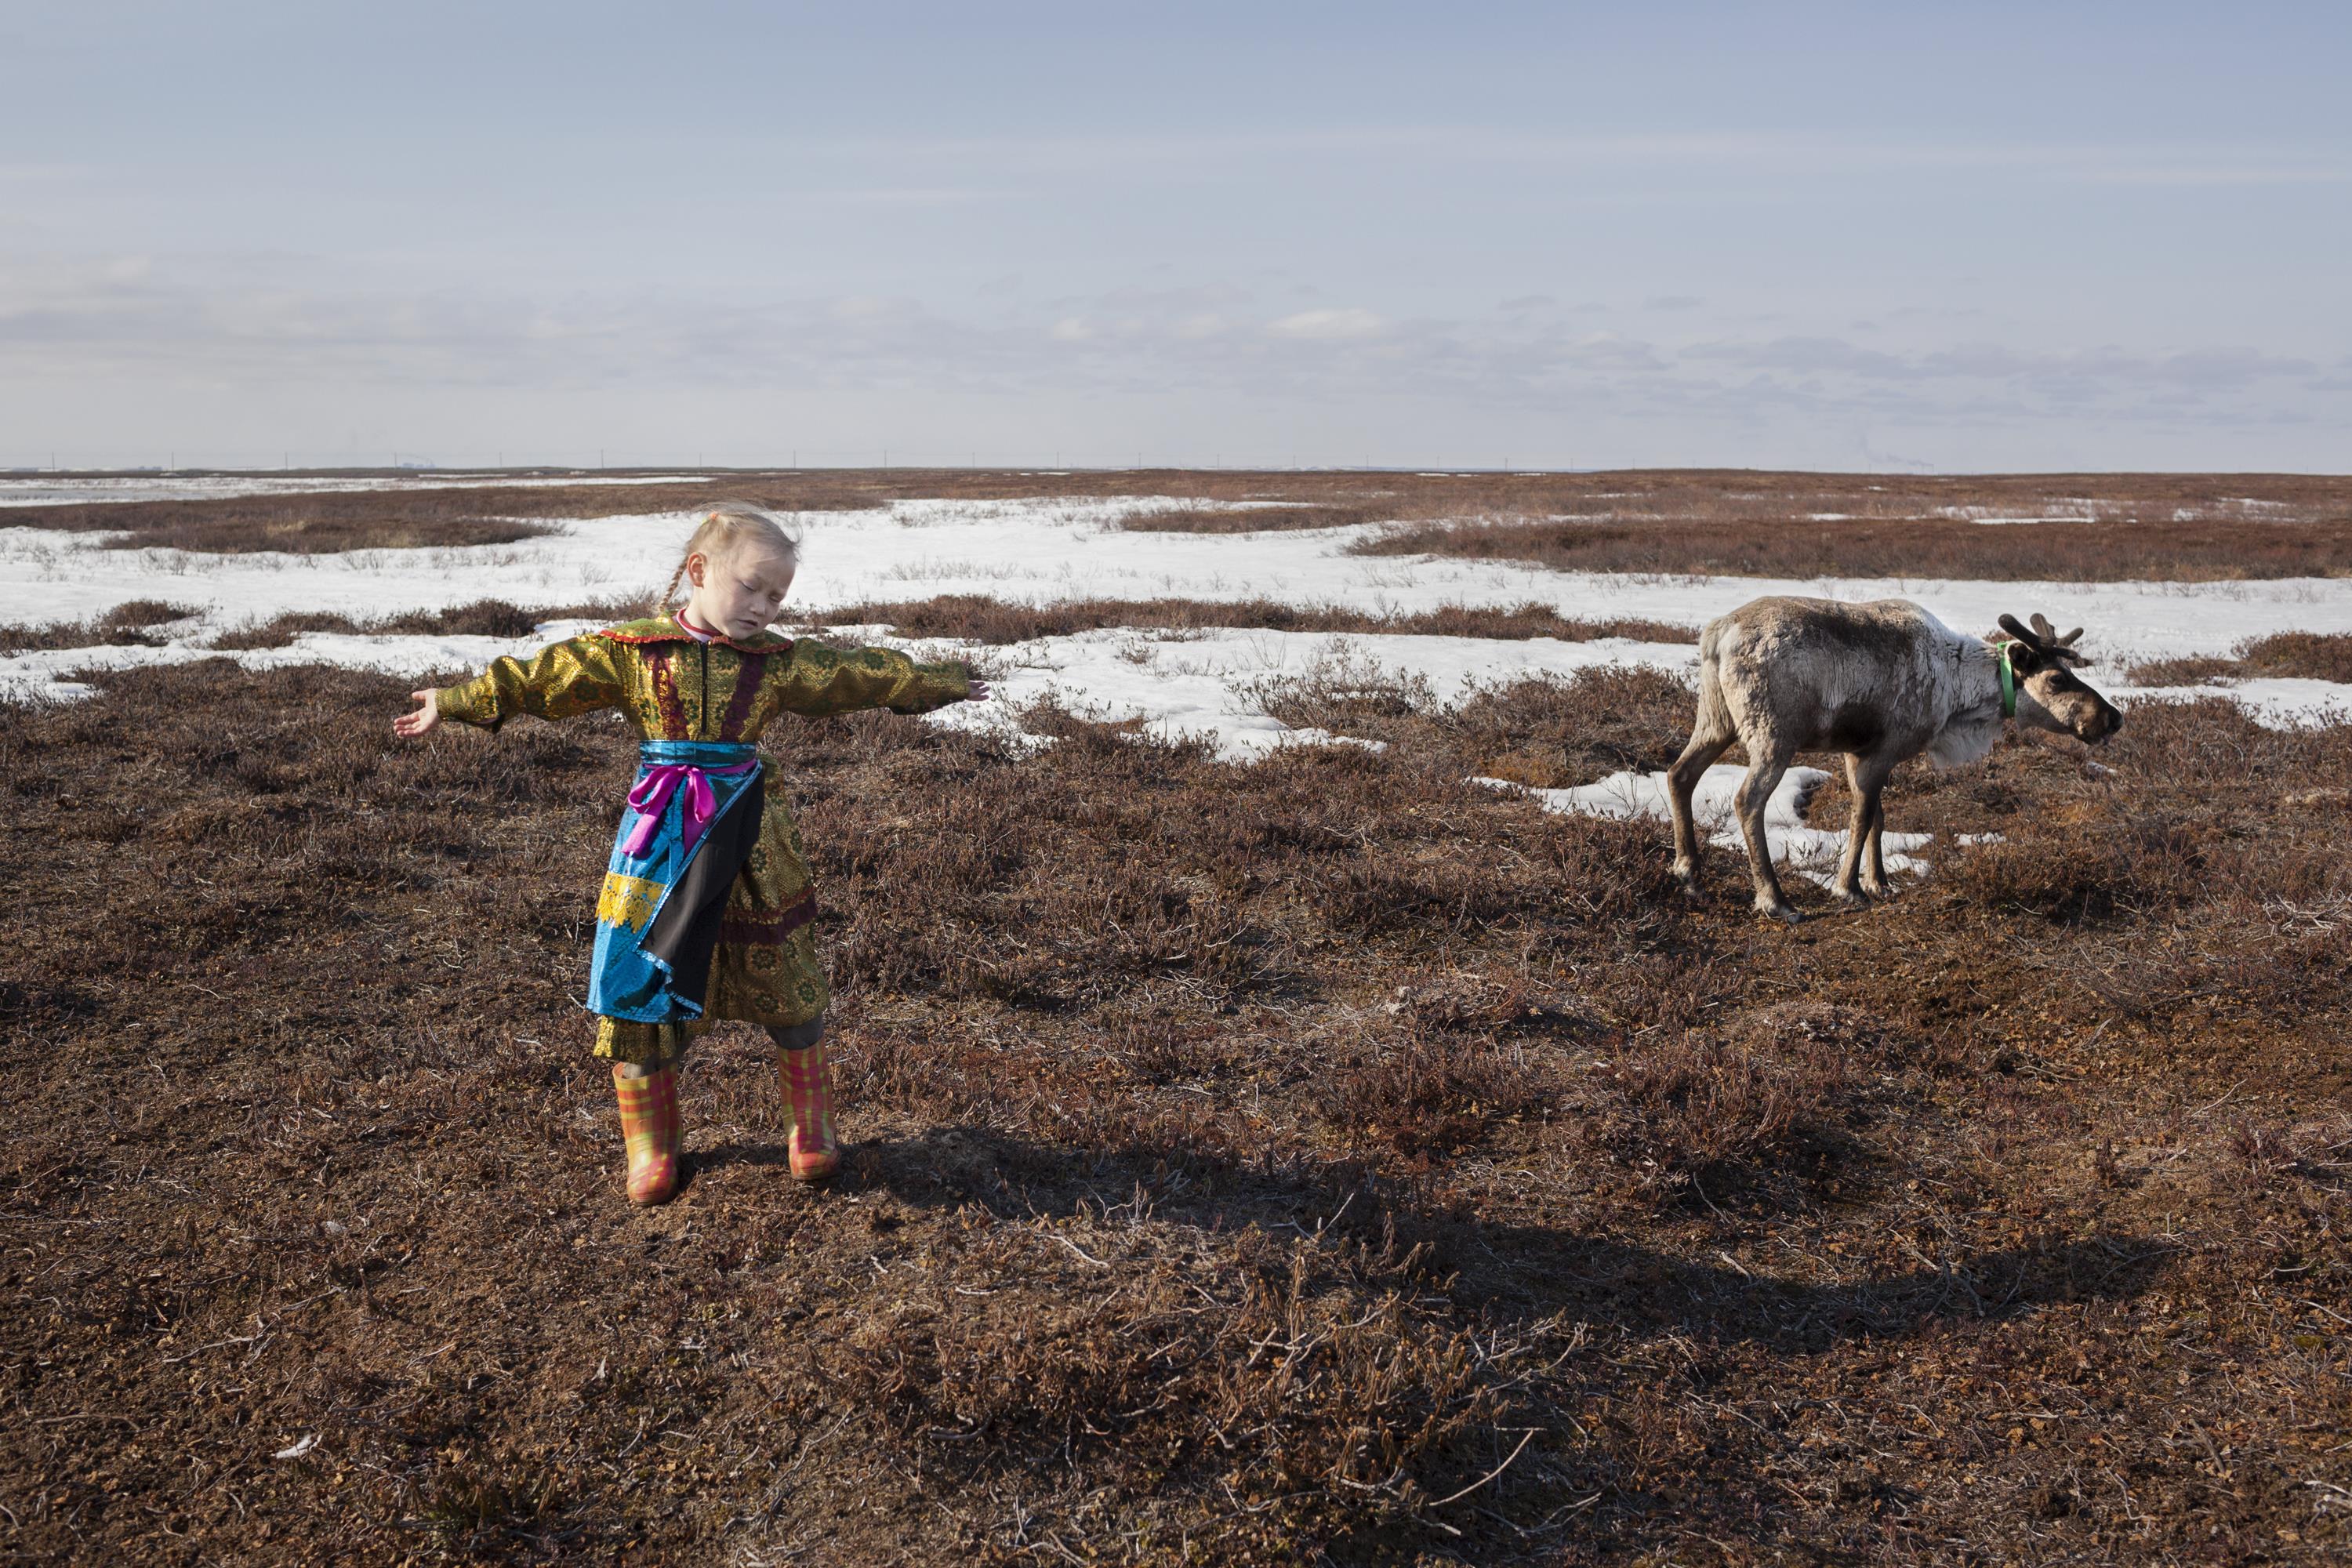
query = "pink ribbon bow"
x=652 y=795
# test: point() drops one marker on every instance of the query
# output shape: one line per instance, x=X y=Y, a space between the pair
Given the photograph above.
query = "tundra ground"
x=2044 y=527
x=1319 y=1160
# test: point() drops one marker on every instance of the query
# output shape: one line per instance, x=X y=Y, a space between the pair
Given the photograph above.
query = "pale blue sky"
x=1981 y=237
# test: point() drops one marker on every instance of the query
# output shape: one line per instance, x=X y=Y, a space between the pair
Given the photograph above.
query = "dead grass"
x=980 y=619
x=125 y=624
x=1321 y=1161
x=2310 y=656
x=976 y=618
x=2103 y=552
x=2190 y=526
x=483 y=617
x=336 y=520
x=321 y=523
x=1261 y=519
x=963 y=616
x=2313 y=656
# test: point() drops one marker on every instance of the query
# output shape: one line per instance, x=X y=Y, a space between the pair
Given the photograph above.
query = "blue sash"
x=694 y=815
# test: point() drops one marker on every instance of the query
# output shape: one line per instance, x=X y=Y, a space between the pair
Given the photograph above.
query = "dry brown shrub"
x=1720 y=1118
x=2316 y=1148
x=126 y=624
x=1805 y=1029
x=1530 y=620
x=307 y=1142
x=2312 y=656
x=972 y=617
x=2151 y=549
x=146 y=612
x=1430 y=1092
x=1550 y=732
x=1482 y=1005
x=1254 y=519
x=2309 y=655
x=483 y=617
x=1316 y=1396
x=1351 y=695
x=1574 y=872
x=2134 y=865
x=320 y=523
x=2195 y=523
x=2191 y=671
x=334 y=521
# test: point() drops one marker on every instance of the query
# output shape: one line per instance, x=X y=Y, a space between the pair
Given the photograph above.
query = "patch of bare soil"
x=1320 y=1161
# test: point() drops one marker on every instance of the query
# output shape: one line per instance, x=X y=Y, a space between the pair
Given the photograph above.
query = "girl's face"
x=739 y=594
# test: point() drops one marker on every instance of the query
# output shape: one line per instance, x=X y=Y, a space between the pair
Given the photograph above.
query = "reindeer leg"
x=1866 y=777
x=1764 y=771
x=1844 y=886
x=1682 y=779
x=1873 y=879
x=1712 y=731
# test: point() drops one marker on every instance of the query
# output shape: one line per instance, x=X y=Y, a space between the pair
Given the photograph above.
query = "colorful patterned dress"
x=699 y=707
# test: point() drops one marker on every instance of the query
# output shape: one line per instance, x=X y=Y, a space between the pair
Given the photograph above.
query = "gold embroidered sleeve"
x=561 y=680
x=821 y=680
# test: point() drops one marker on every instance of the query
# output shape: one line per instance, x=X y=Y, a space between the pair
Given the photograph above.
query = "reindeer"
x=1882 y=682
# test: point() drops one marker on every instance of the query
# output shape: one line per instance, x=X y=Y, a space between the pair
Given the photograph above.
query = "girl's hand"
x=979 y=692
x=414 y=724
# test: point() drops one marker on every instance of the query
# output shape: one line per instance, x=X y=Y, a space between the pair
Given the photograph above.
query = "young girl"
x=706 y=904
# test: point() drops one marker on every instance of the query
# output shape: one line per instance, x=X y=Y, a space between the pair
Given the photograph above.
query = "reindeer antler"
x=2047 y=635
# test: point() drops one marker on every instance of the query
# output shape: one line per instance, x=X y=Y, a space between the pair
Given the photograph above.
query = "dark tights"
x=792 y=1038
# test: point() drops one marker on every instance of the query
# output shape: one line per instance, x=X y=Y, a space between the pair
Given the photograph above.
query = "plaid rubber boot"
x=649 y=1123
x=808 y=1095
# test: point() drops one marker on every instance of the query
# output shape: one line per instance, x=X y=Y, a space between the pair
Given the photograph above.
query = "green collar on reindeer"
x=2008 y=680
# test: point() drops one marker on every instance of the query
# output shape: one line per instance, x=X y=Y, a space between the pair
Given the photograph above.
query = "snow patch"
x=1206 y=684
x=1045 y=550
x=1810 y=852
x=1201 y=685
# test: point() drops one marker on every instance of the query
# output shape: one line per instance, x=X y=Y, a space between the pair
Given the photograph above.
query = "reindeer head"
x=2050 y=695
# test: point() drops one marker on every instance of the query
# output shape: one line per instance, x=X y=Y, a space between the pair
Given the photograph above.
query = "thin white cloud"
x=1327 y=325
x=910 y=195
x=2214 y=366
x=2219 y=163
x=1214 y=348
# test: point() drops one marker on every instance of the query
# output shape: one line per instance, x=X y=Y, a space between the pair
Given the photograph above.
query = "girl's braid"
x=669 y=596
x=723 y=528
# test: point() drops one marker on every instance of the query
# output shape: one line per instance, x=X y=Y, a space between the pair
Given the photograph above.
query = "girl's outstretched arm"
x=411 y=725
x=821 y=680
x=561 y=680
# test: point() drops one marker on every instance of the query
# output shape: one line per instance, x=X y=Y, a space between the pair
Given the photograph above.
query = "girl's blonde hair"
x=726 y=530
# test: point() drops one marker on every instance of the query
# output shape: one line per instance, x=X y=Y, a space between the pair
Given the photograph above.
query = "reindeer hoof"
x=1852 y=899
x=1784 y=914
x=1878 y=890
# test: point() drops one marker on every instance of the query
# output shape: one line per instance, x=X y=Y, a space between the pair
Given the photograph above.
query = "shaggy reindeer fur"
x=1882 y=682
